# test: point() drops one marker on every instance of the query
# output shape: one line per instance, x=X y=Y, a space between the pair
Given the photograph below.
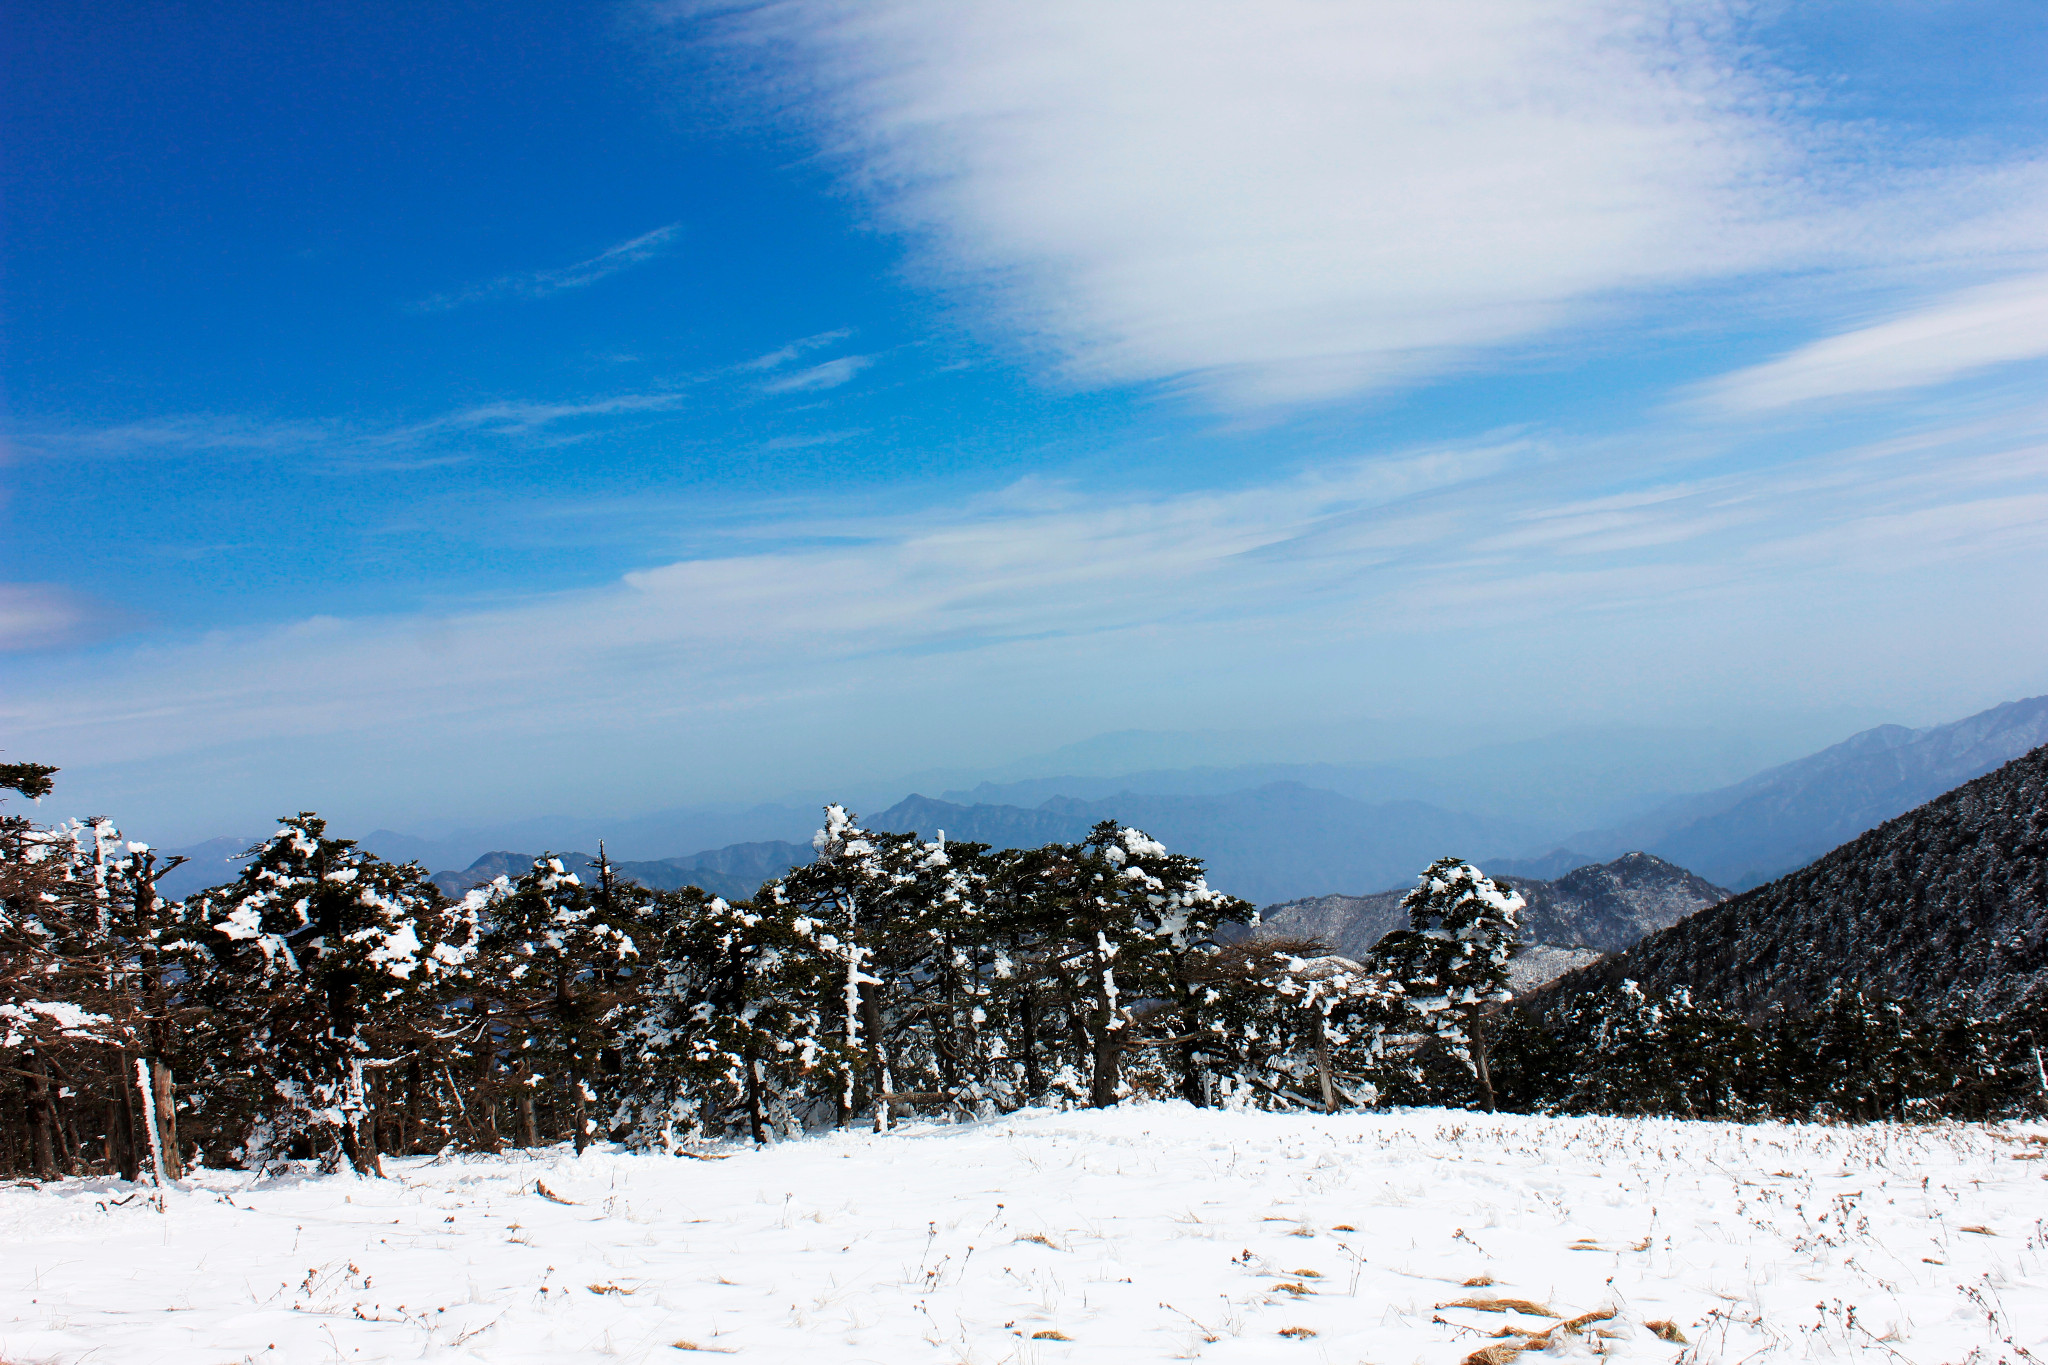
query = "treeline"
x=1855 y=1056
x=330 y=1005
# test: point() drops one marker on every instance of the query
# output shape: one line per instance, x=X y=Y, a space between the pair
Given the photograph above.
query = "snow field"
x=1149 y=1232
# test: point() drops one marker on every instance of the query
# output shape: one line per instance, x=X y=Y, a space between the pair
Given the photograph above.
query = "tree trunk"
x=1191 y=1087
x=1027 y=1021
x=529 y=1127
x=167 y=1117
x=66 y=1130
x=1479 y=1062
x=359 y=1128
x=879 y=1079
x=131 y=1159
x=42 y=1122
x=1323 y=1066
x=754 y=1124
x=484 y=1127
x=1107 y=1042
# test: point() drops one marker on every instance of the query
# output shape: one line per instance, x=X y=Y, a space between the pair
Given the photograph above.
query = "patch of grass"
x=1529 y=1306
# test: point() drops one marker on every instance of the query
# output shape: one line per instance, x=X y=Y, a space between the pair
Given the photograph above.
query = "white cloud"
x=829 y=375
x=424 y=440
x=43 y=615
x=1300 y=199
x=782 y=355
x=1976 y=329
x=1425 y=581
x=538 y=284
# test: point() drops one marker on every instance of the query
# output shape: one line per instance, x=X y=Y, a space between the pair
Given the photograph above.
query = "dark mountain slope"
x=1607 y=906
x=1948 y=904
x=1786 y=817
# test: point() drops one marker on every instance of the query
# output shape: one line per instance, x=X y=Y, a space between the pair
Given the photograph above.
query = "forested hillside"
x=1781 y=819
x=1944 y=906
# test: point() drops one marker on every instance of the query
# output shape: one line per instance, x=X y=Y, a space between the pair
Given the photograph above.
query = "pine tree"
x=325 y=958
x=728 y=1033
x=1452 y=961
x=886 y=905
x=559 y=956
x=1292 y=1025
x=1119 y=921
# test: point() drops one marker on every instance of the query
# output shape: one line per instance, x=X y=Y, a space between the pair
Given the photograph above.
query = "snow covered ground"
x=1146 y=1233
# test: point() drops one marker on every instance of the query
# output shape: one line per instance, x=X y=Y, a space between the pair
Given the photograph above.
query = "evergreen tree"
x=1293 y=1025
x=728 y=1034
x=324 y=958
x=1122 y=922
x=1452 y=960
x=887 y=906
x=559 y=957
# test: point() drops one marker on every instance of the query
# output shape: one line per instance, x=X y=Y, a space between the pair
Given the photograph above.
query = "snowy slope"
x=1150 y=1232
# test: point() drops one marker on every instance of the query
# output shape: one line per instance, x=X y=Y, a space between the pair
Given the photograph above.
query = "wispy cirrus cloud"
x=48 y=616
x=1422 y=580
x=816 y=378
x=1297 y=201
x=539 y=284
x=426 y=439
x=783 y=355
x=1962 y=334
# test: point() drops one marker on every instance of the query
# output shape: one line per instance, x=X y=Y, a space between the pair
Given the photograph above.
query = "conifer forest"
x=328 y=1005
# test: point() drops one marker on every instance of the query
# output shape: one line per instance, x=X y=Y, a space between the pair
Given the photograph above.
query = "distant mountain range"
x=1604 y=907
x=1947 y=904
x=1280 y=840
x=1784 y=818
x=1271 y=843
x=734 y=872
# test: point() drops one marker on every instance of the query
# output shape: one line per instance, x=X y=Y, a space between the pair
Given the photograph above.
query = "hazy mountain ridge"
x=1285 y=840
x=1267 y=844
x=734 y=872
x=1947 y=904
x=1787 y=816
x=1605 y=907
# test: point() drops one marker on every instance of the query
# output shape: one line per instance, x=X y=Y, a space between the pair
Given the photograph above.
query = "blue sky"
x=414 y=410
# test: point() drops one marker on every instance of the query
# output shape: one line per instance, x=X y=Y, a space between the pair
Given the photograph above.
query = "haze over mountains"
x=1784 y=818
x=1282 y=832
x=1946 y=905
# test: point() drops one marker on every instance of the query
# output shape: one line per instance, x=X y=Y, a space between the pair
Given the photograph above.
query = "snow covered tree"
x=887 y=906
x=325 y=957
x=1289 y=1024
x=1638 y=1055
x=79 y=951
x=729 y=1032
x=560 y=953
x=1452 y=960
x=1119 y=923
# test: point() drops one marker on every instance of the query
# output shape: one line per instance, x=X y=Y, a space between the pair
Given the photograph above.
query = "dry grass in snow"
x=1147 y=1233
